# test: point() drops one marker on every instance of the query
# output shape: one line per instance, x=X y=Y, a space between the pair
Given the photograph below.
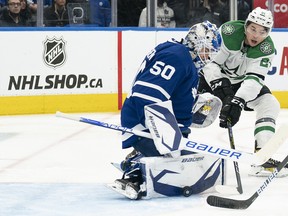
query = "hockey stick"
x=103 y=124
x=190 y=145
x=244 y=204
x=227 y=189
x=202 y=147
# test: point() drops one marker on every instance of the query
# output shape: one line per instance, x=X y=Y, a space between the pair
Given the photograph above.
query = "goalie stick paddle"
x=223 y=202
x=229 y=189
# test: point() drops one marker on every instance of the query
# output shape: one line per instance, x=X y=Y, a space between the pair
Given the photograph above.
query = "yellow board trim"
x=282 y=97
x=46 y=104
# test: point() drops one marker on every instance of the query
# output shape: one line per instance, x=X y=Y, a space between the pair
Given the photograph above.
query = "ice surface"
x=51 y=166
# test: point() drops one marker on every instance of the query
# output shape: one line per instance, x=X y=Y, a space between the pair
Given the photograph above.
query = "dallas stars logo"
x=228 y=29
x=266 y=48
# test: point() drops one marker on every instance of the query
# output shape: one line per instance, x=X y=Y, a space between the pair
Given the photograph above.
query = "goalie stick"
x=223 y=202
x=229 y=189
x=202 y=147
x=104 y=124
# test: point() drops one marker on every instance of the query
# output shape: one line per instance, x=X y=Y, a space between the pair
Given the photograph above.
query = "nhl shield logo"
x=54 y=52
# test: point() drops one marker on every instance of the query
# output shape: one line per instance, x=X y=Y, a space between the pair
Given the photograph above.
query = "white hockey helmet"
x=203 y=41
x=261 y=17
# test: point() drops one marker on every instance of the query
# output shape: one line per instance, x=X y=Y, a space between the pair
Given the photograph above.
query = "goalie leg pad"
x=165 y=177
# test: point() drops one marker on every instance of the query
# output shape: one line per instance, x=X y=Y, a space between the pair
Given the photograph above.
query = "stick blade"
x=58 y=114
x=227 y=203
x=67 y=116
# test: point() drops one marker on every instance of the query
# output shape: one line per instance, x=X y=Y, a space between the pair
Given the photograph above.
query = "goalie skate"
x=126 y=188
x=267 y=168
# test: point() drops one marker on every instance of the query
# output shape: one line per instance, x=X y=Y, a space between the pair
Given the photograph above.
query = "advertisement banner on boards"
x=58 y=62
x=280 y=8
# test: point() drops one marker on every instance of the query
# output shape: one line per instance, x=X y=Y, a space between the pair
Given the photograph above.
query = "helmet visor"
x=253 y=31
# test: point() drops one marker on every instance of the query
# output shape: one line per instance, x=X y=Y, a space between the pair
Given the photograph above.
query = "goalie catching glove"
x=231 y=111
x=205 y=110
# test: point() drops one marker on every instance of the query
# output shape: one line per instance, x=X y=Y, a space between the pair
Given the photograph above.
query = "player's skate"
x=127 y=188
x=128 y=163
x=132 y=156
x=267 y=168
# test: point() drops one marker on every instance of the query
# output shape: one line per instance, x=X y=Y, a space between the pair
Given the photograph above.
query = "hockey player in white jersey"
x=170 y=73
x=237 y=73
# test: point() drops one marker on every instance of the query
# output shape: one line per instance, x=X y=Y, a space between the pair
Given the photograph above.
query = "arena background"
x=90 y=69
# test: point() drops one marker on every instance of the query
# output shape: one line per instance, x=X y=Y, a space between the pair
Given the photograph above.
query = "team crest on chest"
x=228 y=29
x=266 y=48
x=54 y=52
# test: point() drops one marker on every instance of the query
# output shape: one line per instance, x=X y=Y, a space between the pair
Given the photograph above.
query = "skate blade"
x=265 y=173
x=128 y=192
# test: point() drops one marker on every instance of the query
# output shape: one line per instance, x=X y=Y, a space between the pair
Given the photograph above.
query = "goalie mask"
x=203 y=41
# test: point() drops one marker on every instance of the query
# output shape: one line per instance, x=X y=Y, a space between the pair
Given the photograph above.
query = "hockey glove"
x=222 y=89
x=231 y=111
